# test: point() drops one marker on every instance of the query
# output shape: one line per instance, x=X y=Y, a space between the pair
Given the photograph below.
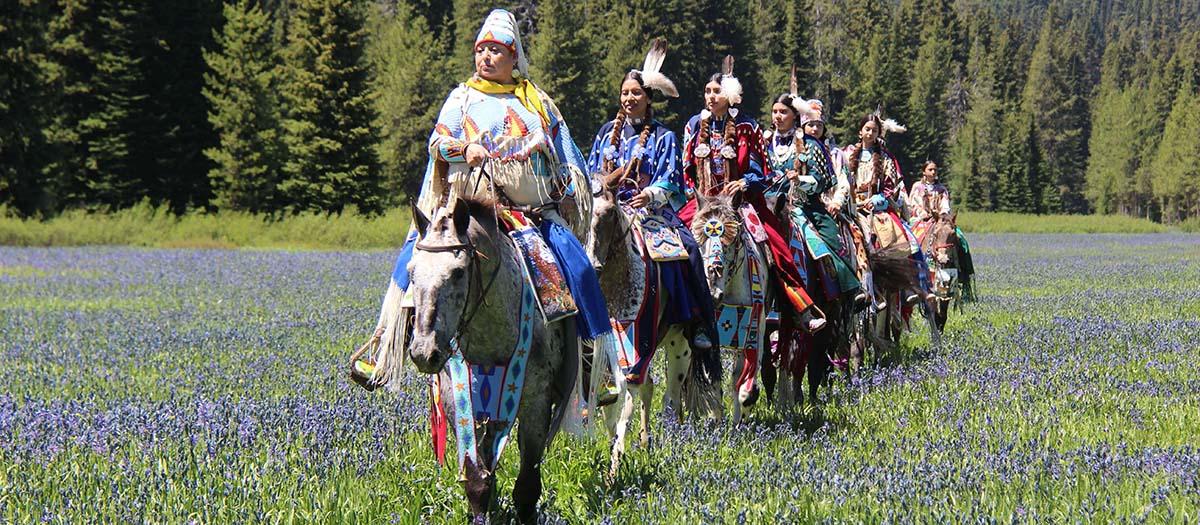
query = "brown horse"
x=939 y=240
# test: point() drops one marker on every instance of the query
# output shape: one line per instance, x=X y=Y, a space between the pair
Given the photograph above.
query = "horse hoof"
x=752 y=397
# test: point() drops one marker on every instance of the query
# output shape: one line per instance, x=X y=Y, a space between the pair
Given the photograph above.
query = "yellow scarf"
x=524 y=90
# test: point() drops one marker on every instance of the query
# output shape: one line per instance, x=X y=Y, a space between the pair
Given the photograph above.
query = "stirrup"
x=362 y=366
x=607 y=395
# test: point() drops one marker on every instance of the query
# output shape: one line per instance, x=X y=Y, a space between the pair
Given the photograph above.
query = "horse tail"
x=702 y=383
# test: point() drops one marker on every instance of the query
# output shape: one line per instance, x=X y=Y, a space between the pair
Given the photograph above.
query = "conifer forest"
x=290 y=106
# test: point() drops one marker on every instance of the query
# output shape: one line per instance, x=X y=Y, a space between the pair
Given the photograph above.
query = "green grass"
x=144 y=225
x=1001 y=222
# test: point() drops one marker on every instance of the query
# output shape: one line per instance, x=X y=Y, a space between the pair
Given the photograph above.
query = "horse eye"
x=456 y=273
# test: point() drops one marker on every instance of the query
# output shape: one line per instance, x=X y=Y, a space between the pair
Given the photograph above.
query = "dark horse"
x=939 y=240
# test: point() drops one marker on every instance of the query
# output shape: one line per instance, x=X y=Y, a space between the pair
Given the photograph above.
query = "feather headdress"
x=888 y=125
x=651 y=71
x=731 y=87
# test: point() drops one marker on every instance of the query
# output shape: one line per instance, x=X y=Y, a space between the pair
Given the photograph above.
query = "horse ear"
x=421 y=219
x=954 y=219
x=461 y=215
x=736 y=199
x=701 y=201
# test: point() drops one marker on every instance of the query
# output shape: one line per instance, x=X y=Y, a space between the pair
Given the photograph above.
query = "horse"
x=738 y=275
x=615 y=249
x=466 y=273
x=803 y=353
x=939 y=239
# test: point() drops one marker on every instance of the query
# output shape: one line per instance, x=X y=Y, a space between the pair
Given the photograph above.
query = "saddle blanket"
x=554 y=297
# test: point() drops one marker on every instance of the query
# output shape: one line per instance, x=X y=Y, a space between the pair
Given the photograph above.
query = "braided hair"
x=877 y=159
x=619 y=123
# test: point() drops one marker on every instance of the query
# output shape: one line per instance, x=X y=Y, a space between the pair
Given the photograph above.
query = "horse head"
x=443 y=262
x=943 y=236
x=610 y=227
x=716 y=227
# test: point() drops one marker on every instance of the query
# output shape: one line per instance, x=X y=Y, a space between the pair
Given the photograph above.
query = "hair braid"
x=614 y=139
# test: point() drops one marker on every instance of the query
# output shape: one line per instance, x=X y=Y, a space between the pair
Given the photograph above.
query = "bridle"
x=475 y=276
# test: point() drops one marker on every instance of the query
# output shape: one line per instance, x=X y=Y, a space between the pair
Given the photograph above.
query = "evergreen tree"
x=973 y=157
x=409 y=94
x=783 y=43
x=94 y=74
x=560 y=58
x=927 y=126
x=24 y=152
x=172 y=130
x=330 y=115
x=1113 y=146
x=240 y=89
x=1176 y=171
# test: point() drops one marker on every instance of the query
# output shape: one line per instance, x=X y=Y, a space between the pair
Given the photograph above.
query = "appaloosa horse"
x=738 y=277
x=636 y=300
x=466 y=277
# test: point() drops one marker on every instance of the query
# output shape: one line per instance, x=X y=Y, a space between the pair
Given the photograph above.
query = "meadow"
x=208 y=386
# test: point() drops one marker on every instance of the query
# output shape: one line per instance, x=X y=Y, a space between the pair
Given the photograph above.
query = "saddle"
x=554 y=297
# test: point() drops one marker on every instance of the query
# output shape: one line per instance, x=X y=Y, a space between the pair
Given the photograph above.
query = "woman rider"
x=804 y=175
x=723 y=156
x=501 y=118
x=636 y=140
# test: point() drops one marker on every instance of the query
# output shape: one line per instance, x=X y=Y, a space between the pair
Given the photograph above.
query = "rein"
x=473 y=253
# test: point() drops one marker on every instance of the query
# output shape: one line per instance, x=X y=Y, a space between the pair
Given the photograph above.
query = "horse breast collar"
x=487 y=395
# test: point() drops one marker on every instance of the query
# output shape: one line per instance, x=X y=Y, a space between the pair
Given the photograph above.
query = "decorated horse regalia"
x=722 y=155
x=533 y=166
x=638 y=156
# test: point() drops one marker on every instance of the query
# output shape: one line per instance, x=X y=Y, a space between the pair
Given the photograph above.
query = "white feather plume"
x=731 y=87
x=651 y=71
x=801 y=105
x=891 y=126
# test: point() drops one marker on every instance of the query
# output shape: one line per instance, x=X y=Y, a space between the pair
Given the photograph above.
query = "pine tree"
x=561 y=61
x=24 y=152
x=971 y=169
x=94 y=74
x=1176 y=172
x=330 y=115
x=172 y=129
x=783 y=43
x=1113 y=146
x=240 y=89
x=408 y=62
x=930 y=78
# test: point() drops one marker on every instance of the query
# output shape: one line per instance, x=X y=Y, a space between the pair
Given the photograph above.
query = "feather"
x=795 y=84
x=802 y=107
x=732 y=89
x=891 y=126
x=655 y=57
x=659 y=82
x=727 y=66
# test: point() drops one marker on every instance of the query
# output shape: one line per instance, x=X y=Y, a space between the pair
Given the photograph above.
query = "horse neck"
x=737 y=287
x=491 y=333
x=624 y=262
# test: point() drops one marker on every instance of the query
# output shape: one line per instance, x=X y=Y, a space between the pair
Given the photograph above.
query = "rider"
x=500 y=116
x=929 y=198
x=635 y=140
x=877 y=193
x=723 y=156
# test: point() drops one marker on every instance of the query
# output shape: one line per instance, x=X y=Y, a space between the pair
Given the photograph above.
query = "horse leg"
x=532 y=436
x=647 y=394
x=679 y=355
x=480 y=486
x=618 y=424
x=735 y=388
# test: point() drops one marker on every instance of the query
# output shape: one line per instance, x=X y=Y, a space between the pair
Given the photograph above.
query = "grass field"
x=206 y=386
x=146 y=226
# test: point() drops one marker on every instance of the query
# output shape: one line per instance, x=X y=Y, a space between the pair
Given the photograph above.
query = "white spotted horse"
x=491 y=364
x=631 y=281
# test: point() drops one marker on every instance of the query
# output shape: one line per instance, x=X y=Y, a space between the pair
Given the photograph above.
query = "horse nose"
x=425 y=354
